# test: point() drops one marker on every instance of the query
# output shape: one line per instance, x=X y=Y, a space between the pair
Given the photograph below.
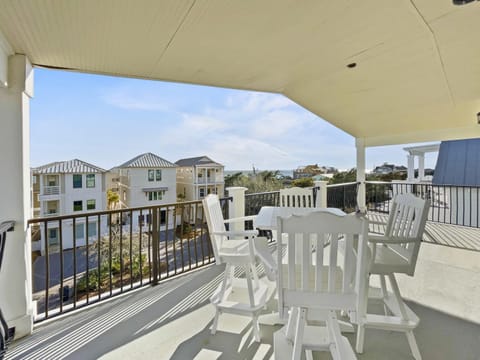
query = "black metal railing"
x=6 y=333
x=254 y=202
x=449 y=204
x=343 y=196
x=89 y=257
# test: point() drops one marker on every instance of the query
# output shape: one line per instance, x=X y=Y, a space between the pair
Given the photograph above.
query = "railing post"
x=237 y=207
x=361 y=195
x=321 y=199
x=155 y=245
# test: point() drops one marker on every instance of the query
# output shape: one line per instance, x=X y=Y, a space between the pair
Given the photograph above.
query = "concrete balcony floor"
x=172 y=321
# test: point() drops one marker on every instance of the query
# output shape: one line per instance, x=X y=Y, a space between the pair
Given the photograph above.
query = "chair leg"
x=383 y=285
x=255 y=327
x=401 y=305
x=215 y=322
x=398 y=296
x=413 y=345
x=361 y=317
x=291 y=322
x=298 y=342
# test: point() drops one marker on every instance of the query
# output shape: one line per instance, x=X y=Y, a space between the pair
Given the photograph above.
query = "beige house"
x=145 y=180
x=199 y=176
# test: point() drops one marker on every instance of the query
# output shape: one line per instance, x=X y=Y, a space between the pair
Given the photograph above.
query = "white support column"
x=15 y=276
x=237 y=207
x=321 y=201
x=361 y=196
x=411 y=168
x=421 y=167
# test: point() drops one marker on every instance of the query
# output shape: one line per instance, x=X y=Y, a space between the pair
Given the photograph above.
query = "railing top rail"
x=419 y=183
x=7 y=226
x=342 y=184
x=263 y=193
x=115 y=211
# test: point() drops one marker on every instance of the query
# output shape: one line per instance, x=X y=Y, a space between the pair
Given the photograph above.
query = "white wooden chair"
x=316 y=288
x=396 y=252
x=237 y=294
x=297 y=197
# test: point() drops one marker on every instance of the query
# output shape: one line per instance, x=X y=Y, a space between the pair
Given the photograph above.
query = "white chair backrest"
x=328 y=279
x=215 y=222
x=407 y=220
x=297 y=197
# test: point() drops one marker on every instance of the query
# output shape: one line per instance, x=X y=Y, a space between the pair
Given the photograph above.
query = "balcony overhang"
x=388 y=72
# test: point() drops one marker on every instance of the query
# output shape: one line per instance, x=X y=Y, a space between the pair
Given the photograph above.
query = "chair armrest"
x=381 y=239
x=239 y=219
x=249 y=233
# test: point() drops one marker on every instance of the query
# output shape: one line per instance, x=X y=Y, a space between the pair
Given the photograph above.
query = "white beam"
x=410 y=168
x=5 y=51
x=16 y=303
x=361 y=196
x=470 y=132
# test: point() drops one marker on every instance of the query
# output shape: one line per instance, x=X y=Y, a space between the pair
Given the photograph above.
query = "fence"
x=450 y=204
x=90 y=257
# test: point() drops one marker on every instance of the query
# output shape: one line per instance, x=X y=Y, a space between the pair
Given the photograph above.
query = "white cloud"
x=129 y=99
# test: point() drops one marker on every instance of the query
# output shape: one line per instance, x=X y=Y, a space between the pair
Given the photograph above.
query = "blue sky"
x=109 y=120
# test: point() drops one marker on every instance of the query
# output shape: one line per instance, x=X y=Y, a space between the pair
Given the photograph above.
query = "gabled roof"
x=197 y=161
x=147 y=160
x=457 y=163
x=68 y=167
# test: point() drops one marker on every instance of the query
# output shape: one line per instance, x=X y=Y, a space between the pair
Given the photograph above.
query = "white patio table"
x=267 y=217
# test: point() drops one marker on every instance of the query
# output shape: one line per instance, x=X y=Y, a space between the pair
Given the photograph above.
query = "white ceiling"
x=417 y=76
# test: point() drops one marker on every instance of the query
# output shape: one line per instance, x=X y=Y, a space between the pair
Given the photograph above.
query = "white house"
x=66 y=188
x=145 y=180
x=199 y=176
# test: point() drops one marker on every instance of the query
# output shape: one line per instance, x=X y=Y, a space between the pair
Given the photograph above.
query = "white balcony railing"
x=51 y=190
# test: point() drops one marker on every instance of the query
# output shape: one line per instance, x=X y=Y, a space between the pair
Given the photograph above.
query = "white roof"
x=74 y=166
x=417 y=62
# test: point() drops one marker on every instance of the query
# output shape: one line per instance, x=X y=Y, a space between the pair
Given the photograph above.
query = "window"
x=163 y=217
x=53 y=236
x=202 y=192
x=92 y=229
x=91 y=204
x=77 y=205
x=151 y=175
x=52 y=180
x=155 y=195
x=158 y=175
x=79 y=231
x=90 y=180
x=77 y=181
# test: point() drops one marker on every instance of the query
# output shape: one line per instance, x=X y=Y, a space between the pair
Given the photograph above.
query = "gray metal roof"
x=458 y=163
x=147 y=160
x=197 y=161
x=68 y=167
